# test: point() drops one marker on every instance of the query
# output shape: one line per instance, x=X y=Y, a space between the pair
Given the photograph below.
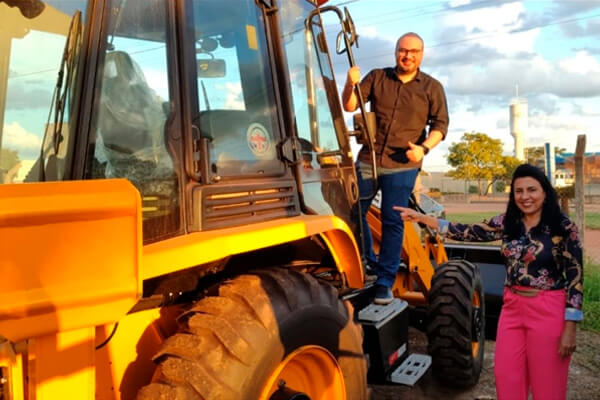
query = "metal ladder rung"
x=376 y=312
x=411 y=369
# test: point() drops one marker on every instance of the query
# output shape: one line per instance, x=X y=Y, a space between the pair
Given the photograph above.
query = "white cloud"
x=583 y=64
x=487 y=19
x=586 y=110
x=27 y=144
x=158 y=81
x=456 y=3
x=577 y=76
x=233 y=99
x=368 y=31
x=493 y=27
x=560 y=130
x=481 y=50
x=230 y=93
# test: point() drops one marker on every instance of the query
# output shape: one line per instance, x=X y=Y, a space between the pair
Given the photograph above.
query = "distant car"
x=429 y=205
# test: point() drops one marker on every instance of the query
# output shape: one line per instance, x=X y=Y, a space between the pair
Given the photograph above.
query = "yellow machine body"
x=60 y=302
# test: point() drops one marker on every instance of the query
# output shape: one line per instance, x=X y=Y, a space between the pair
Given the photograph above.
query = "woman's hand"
x=567 y=341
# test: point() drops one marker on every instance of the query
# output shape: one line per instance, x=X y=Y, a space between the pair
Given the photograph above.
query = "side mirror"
x=211 y=68
x=350 y=27
x=348 y=31
x=362 y=130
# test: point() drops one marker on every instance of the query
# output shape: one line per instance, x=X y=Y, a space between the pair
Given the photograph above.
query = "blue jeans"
x=395 y=191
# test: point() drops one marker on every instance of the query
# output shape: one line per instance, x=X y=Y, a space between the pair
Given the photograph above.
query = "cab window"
x=236 y=102
x=40 y=47
x=128 y=130
x=310 y=74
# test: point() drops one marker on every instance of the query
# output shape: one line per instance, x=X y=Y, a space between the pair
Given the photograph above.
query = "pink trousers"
x=529 y=332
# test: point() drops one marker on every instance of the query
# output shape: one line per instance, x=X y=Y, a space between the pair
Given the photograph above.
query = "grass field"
x=470 y=218
x=591 y=296
x=592 y=219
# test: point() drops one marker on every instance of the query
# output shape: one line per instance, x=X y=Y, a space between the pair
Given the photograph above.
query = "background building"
x=518 y=124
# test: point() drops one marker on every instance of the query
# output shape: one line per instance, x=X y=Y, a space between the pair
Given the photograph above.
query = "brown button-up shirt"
x=403 y=111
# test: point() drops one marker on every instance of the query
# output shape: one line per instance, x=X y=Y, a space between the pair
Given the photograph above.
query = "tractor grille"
x=248 y=204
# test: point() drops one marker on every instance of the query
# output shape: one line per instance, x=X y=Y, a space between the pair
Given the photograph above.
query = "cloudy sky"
x=481 y=50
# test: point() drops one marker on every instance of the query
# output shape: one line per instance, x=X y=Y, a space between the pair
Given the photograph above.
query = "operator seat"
x=131 y=140
x=133 y=117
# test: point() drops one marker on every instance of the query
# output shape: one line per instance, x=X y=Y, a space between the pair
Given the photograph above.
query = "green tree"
x=8 y=159
x=477 y=157
x=509 y=163
x=536 y=155
x=500 y=186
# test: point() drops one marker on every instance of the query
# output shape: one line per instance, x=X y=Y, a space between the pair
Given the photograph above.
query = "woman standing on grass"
x=544 y=286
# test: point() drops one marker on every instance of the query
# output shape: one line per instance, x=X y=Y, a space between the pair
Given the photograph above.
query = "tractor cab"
x=183 y=170
x=220 y=113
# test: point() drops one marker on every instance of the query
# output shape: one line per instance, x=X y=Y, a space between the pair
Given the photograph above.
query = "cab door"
x=328 y=179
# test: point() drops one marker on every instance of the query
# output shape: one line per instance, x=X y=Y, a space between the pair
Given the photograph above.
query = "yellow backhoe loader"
x=176 y=199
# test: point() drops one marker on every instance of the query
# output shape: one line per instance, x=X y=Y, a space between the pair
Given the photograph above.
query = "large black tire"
x=456 y=323
x=230 y=344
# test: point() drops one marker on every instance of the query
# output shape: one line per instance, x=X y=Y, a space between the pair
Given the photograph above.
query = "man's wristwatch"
x=425 y=149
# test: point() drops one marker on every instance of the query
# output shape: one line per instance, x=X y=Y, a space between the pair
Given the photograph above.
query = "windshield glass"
x=32 y=43
x=236 y=98
x=310 y=76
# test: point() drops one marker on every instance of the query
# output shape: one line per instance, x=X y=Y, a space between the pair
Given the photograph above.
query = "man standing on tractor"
x=405 y=101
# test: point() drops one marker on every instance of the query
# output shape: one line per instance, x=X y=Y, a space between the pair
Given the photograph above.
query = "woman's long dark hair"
x=551 y=214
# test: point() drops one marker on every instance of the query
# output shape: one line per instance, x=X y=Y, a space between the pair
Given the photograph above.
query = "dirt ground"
x=584 y=375
x=584 y=371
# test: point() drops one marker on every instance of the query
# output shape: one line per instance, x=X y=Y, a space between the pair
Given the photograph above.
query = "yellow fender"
x=181 y=252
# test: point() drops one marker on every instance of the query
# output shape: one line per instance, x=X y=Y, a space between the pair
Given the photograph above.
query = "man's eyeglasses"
x=409 y=52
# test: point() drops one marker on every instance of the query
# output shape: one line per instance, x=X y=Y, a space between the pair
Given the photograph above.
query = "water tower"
x=518 y=124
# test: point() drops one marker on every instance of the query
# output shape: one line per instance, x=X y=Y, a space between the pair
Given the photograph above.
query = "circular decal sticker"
x=258 y=139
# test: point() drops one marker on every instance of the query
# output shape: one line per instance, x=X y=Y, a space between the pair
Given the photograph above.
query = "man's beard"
x=402 y=70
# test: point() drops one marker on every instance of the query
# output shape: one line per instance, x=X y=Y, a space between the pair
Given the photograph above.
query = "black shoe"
x=383 y=295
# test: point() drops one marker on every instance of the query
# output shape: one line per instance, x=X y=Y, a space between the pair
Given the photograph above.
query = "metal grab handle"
x=346 y=24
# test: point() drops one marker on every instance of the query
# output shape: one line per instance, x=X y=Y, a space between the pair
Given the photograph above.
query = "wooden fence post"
x=579 y=181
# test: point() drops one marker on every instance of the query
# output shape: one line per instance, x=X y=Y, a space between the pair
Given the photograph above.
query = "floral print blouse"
x=536 y=259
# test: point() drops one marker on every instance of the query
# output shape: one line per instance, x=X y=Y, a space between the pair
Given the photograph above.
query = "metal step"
x=376 y=312
x=409 y=372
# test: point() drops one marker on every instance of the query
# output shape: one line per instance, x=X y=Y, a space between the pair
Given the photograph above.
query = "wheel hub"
x=309 y=373
x=284 y=393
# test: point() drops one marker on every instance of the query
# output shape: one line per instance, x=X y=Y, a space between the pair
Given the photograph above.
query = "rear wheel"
x=456 y=323
x=265 y=330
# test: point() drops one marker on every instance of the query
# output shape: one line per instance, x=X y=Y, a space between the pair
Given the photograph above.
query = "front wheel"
x=270 y=330
x=455 y=328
